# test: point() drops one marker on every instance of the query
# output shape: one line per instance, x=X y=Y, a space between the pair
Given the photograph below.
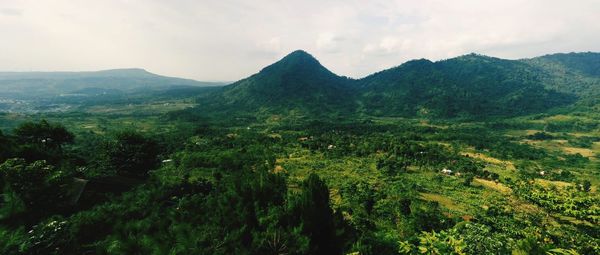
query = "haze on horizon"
x=231 y=39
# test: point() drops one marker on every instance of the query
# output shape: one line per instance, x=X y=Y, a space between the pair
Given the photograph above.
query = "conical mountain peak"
x=297 y=61
x=299 y=55
x=297 y=81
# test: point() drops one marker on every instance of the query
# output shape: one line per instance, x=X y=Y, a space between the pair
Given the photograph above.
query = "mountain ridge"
x=471 y=85
x=28 y=85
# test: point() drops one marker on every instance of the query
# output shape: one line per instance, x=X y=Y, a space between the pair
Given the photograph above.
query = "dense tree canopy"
x=132 y=154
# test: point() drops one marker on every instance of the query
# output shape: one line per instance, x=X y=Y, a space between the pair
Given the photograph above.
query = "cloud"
x=272 y=45
x=231 y=39
x=328 y=42
x=10 y=12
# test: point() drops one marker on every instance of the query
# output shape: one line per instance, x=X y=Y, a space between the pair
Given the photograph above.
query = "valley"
x=470 y=155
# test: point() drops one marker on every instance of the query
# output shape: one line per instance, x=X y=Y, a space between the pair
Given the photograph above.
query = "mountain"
x=126 y=72
x=298 y=82
x=28 y=85
x=574 y=73
x=471 y=86
x=585 y=63
x=468 y=86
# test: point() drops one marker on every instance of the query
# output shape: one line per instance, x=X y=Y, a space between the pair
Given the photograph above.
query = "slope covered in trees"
x=470 y=86
x=573 y=73
x=296 y=82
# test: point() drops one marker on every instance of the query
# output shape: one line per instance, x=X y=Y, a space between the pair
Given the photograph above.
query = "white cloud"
x=231 y=39
x=329 y=42
x=10 y=12
x=272 y=45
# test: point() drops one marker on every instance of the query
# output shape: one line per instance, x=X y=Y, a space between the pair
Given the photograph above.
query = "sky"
x=226 y=40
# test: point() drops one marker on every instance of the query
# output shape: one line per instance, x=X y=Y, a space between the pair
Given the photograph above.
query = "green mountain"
x=298 y=83
x=573 y=73
x=585 y=63
x=469 y=86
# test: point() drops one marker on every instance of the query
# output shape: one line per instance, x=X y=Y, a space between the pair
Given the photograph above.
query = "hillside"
x=298 y=82
x=575 y=73
x=469 y=86
x=586 y=63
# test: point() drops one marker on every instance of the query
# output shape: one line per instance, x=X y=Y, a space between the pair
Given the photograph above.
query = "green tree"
x=432 y=243
x=6 y=147
x=427 y=216
x=43 y=133
x=42 y=141
x=586 y=186
x=316 y=217
x=50 y=236
x=40 y=187
x=132 y=154
x=468 y=179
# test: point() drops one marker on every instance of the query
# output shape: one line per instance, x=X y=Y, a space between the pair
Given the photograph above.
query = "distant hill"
x=126 y=72
x=27 y=85
x=298 y=82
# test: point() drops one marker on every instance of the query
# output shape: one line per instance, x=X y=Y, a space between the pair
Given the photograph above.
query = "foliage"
x=540 y=136
x=444 y=242
x=44 y=134
x=132 y=154
x=48 y=237
x=278 y=184
x=40 y=187
x=41 y=141
x=312 y=209
x=567 y=201
x=467 y=86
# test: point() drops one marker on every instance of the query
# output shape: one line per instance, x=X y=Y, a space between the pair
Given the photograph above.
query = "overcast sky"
x=228 y=40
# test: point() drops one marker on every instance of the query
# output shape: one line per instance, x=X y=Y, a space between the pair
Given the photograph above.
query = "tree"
x=392 y=165
x=132 y=154
x=444 y=242
x=480 y=239
x=38 y=186
x=432 y=243
x=586 y=186
x=468 y=179
x=43 y=133
x=42 y=141
x=315 y=216
x=427 y=216
x=530 y=246
x=50 y=236
x=6 y=147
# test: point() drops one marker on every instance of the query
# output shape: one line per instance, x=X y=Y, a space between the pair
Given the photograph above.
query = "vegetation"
x=261 y=175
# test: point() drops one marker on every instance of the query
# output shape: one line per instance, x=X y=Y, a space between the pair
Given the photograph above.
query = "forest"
x=372 y=187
